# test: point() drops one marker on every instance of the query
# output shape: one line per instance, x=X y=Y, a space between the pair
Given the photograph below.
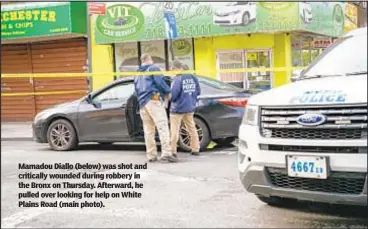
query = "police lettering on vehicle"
x=324 y=96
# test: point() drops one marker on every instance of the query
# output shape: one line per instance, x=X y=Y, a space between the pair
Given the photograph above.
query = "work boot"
x=195 y=153
x=153 y=159
x=170 y=159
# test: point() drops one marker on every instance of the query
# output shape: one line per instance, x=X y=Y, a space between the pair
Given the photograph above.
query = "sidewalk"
x=16 y=131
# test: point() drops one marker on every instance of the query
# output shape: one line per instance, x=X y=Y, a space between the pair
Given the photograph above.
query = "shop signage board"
x=170 y=21
x=96 y=8
x=277 y=16
x=42 y=19
x=351 y=16
x=170 y=25
x=140 y=21
x=323 y=43
x=327 y=18
x=183 y=49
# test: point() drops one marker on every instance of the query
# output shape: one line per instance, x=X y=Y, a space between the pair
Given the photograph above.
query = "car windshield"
x=217 y=84
x=347 y=56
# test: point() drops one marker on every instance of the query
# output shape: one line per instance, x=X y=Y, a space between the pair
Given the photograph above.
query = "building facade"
x=41 y=37
x=213 y=37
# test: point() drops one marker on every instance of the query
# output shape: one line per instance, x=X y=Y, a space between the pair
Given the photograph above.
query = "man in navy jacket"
x=151 y=91
x=184 y=96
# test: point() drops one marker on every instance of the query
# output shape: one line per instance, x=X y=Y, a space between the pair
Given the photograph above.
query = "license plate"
x=307 y=166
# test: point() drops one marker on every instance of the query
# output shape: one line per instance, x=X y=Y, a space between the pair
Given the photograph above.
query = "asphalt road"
x=197 y=192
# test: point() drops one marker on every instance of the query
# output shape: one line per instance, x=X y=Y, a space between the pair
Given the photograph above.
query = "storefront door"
x=230 y=59
x=235 y=59
x=261 y=80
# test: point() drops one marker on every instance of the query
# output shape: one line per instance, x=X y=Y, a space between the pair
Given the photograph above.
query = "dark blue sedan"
x=110 y=115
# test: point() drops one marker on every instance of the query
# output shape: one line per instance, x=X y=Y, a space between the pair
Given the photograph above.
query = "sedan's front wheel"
x=61 y=136
x=203 y=135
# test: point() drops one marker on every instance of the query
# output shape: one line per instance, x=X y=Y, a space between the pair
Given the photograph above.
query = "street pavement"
x=197 y=192
x=16 y=131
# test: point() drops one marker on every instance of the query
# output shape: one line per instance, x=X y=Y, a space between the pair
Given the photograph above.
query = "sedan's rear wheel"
x=61 y=136
x=203 y=135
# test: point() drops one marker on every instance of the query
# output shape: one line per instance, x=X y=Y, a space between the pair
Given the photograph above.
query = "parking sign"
x=170 y=23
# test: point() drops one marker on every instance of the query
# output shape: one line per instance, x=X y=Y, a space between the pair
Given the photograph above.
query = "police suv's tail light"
x=234 y=102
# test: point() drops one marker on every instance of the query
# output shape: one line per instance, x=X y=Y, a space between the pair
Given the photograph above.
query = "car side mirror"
x=97 y=105
x=295 y=75
x=89 y=99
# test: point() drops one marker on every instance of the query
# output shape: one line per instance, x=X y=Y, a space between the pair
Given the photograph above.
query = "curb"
x=17 y=139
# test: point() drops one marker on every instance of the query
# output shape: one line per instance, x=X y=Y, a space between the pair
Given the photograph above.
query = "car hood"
x=319 y=91
x=67 y=104
x=63 y=107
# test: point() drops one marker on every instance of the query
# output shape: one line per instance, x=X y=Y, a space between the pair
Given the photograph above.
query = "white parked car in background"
x=307 y=140
x=236 y=13
x=305 y=11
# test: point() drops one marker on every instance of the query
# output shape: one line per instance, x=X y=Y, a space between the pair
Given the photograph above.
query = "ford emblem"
x=311 y=119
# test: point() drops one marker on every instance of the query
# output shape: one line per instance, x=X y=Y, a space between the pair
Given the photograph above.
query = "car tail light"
x=235 y=102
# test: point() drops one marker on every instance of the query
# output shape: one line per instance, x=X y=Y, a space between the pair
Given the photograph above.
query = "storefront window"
x=306 y=49
x=126 y=57
x=127 y=54
x=300 y=51
x=235 y=59
x=258 y=80
x=183 y=51
x=157 y=50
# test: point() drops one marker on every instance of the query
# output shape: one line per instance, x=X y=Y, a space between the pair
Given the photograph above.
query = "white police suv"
x=307 y=140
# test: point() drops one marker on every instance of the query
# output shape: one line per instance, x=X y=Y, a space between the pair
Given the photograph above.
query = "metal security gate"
x=62 y=56
x=17 y=59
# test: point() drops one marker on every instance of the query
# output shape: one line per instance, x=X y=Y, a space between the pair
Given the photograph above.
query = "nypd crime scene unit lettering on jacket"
x=184 y=102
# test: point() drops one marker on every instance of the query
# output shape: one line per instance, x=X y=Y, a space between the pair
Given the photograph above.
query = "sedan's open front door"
x=134 y=121
x=104 y=118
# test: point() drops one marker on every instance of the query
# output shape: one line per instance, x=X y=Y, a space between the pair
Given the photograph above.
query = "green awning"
x=42 y=21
